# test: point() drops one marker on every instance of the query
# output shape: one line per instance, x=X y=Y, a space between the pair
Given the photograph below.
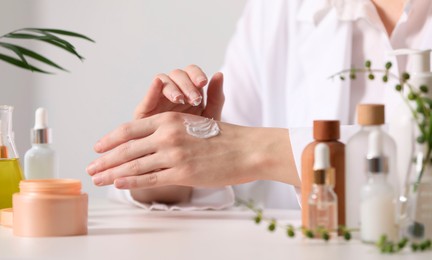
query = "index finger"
x=126 y=132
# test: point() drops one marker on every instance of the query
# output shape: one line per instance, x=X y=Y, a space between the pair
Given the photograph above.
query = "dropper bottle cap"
x=376 y=160
x=41 y=134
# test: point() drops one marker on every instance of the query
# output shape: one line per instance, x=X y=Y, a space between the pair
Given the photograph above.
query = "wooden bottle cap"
x=326 y=130
x=370 y=114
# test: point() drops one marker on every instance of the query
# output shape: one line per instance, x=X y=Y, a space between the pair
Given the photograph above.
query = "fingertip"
x=91 y=169
x=218 y=75
x=98 y=147
x=201 y=81
x=120 y=183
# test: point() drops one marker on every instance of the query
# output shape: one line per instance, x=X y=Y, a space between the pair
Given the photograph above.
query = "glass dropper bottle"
x=10 y=169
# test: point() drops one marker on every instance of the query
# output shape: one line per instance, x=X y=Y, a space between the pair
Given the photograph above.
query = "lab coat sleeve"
x=202 y=199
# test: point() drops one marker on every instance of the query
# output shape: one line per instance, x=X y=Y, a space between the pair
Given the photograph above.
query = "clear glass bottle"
x=10 y=169
x=323 y=207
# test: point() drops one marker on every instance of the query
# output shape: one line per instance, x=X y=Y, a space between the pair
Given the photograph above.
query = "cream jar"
x=50 y=207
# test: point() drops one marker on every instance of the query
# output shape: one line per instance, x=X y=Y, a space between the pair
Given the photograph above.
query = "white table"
x=123 y=232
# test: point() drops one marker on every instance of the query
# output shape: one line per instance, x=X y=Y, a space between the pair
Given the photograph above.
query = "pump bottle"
x=40 y=160
x=402 y=126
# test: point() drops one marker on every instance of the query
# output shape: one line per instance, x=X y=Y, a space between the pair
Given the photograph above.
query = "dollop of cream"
x=201 y=128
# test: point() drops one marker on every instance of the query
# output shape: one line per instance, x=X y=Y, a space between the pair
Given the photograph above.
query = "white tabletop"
x=123 y=232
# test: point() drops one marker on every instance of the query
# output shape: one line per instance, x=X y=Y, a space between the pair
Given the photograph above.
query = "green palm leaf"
x=22 y=52
x=42 y=35
x=21 y=64
x=62 y=32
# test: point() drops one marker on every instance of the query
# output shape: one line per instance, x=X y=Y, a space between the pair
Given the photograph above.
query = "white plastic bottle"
x=371 y=117
x=377 y=207
x=40 y=160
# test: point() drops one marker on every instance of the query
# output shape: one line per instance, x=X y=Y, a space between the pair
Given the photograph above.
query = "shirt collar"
x=347 y=10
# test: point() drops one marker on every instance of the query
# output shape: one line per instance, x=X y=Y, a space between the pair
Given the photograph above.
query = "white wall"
x=135 y=40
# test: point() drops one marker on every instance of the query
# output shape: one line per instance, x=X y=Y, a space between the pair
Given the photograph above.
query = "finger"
x=121 y=154
x=154 y=179
x=141 y=166
x=128 y=131
x=182 y=80
x=215 y=97
x=198 y=77
x=171 y=91
x=151 y=100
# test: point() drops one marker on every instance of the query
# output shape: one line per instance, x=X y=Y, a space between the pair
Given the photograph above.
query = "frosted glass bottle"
x=40 y=161
x=377 y=206
x=371 y=117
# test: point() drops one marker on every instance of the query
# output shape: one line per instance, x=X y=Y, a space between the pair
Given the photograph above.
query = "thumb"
x=215 y=97
x=150 y=101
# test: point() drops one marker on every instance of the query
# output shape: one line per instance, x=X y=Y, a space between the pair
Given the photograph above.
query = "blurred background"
x=135 y=39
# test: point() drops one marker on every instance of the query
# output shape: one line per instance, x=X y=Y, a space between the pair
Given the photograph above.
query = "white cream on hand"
x=201 y=127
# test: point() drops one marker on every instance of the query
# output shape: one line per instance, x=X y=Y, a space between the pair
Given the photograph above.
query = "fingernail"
x=92 y=168
x=98 y=146
x=196 y=101
x=120 y=183
x=201 y=80
x=98 y=180
x=179 y=99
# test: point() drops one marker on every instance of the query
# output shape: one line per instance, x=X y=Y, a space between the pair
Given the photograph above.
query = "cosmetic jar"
x=50 y=207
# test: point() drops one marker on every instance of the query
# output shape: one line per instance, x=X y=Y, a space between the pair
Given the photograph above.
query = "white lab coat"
x=277 y=72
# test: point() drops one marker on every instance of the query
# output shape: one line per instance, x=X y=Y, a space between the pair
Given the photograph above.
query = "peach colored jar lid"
x=51 y=186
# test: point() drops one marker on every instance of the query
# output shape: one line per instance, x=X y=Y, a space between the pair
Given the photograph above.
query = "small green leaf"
x=309 y=234
x=405 y=76
x=272 y=225
x=368 y=64
x=424 y=88
x=412 y=96
x=388 y=65
x=347 y=235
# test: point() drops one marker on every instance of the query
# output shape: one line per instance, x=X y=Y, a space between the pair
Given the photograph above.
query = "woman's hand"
x=182 y=91
x=157 y=151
